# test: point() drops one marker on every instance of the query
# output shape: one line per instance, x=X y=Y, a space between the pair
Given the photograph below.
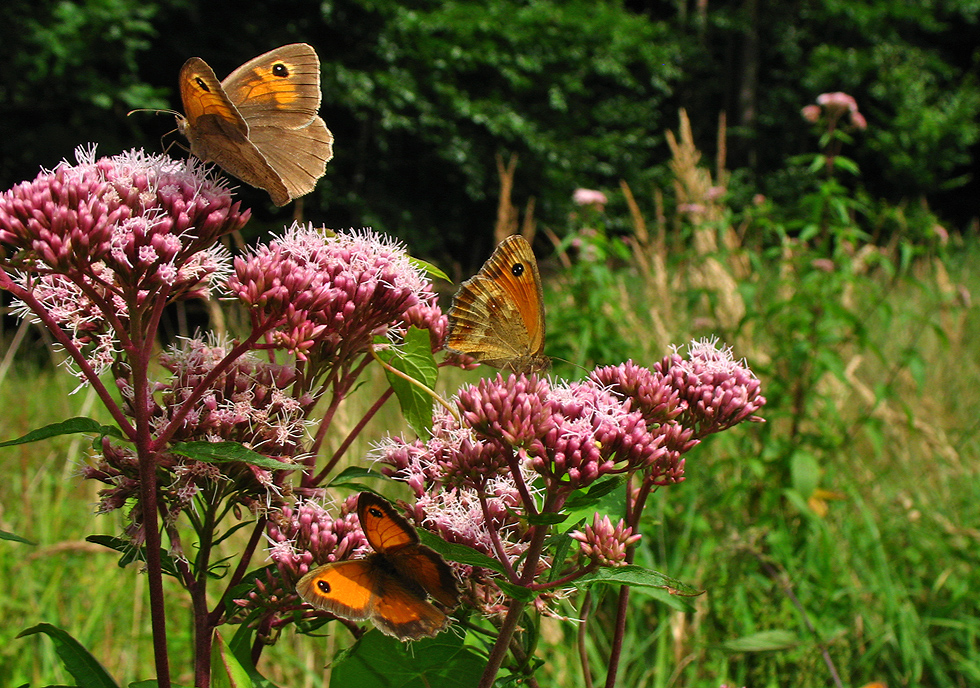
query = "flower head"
x=101 y=238
x=718 y=391
x=590 y=197
x=605 y=544
x=332 y=293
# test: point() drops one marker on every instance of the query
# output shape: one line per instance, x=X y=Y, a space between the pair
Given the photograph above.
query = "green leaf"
x=131 y=553
x=227 y=452
x=546 y=519
x=413 y=358
x=351 y=477
x=764 y=641
x=226 y=670
x=78 y=661
x=429 y=269
x=463 y=554
x=4 y=535
x=635 y=576
x=71 y=426
x=607 y=498
x=380 y=661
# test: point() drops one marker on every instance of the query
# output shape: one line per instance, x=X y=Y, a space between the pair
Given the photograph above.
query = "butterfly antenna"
x=155 y=111
x=408 y=378
x=565 y=360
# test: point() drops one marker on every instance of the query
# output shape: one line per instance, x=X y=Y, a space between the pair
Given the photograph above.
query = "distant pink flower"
x=811 y=113
x=834 y=106
x=940 y=233
x=589 y=197
x=837 y=103
x=824 y=264
x=715 y=192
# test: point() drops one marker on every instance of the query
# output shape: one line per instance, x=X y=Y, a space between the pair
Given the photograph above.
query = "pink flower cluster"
x=604 y=543
x=328 y=295
x=834 y=106
x=102 y=239
x=590 y=197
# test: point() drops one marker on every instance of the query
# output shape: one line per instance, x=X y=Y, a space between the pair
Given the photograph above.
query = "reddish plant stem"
x=531 y=558
x=352 y=435
x=151 y=530
x=634 y=507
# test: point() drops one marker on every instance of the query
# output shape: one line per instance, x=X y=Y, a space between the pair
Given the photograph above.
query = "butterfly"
x=389 y=586
x=260 y=124
x=497 y=316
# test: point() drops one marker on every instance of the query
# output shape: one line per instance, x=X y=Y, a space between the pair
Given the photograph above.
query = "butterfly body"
x=260 y=124
x=497 y=316
x=389 y=586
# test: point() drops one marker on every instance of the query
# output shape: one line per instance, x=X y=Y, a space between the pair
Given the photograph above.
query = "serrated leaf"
x=79 y=662
x=351 y=477
x=4 y=535
x=635 y=576
x=380 y=661
x=413 y=358
x=71 y=426
x=462 y=554
x=227 y=452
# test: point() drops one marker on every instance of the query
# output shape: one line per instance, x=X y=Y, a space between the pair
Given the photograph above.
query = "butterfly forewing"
x=344 y=588
x=385 y=529
x=280 y=87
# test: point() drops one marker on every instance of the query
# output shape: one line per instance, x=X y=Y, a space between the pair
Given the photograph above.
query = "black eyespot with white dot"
x=324 y=586
x=201 y=84
x=517 y=269
x=280 y=70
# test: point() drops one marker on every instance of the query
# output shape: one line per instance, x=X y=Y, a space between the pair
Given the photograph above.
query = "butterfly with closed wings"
x=389 y=586
x=497 y=316
x=260 y=124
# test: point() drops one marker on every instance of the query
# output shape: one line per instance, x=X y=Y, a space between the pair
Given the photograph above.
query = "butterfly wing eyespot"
x=497 y=316
x=343 y=588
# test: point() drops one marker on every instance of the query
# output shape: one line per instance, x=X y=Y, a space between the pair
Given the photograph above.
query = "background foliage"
x=847 y=526
x=421 y=94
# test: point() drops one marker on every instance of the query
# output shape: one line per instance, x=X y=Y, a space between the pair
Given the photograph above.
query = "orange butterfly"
x=497 y=316
x=389 y=586
x=260 y=124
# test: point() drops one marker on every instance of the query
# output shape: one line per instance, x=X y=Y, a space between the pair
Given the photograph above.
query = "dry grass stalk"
x=507 y=214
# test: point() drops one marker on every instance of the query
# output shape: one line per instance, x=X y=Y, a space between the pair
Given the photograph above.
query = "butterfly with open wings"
x=390 y=586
